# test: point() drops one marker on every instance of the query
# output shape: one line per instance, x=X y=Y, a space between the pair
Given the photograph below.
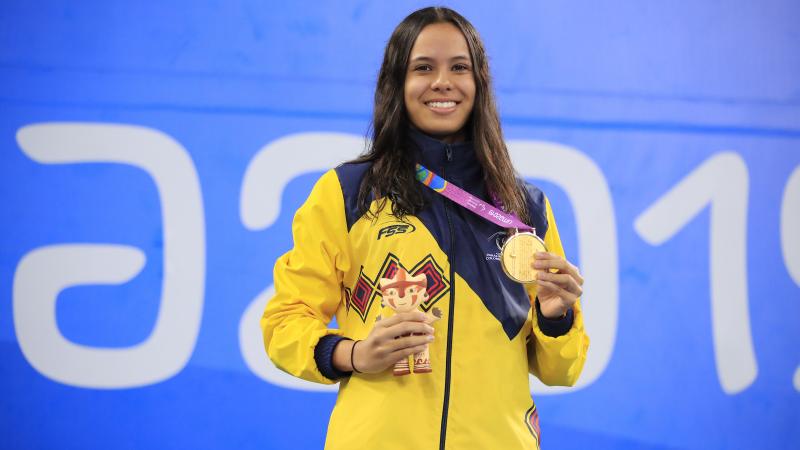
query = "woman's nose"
x=442 y=81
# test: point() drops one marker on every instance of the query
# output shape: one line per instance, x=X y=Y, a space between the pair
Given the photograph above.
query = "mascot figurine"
x=404 y=293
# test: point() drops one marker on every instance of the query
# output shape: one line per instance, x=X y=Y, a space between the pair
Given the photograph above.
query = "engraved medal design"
x=517 y=256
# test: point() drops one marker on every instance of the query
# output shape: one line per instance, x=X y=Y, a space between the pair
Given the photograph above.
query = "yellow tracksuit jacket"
x=478 y=395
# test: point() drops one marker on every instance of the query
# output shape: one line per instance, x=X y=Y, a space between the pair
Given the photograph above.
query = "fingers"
x=375 y=353
x=401 y=336
x=550 y=261
x=406 y=328
x=546 y=255
x=546 y=261
x=564 y=281
x=404 y=353
x=413 y=316
x=567 y=298
x=407 y=343
x=393 y=338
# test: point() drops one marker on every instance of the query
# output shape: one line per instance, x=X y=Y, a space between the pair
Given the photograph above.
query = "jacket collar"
x=461 y=167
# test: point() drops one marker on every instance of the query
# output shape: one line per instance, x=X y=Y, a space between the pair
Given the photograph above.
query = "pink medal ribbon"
x=489 y=212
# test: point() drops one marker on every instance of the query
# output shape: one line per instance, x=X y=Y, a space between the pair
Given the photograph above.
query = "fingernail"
x=538 y=264
x=429 y=337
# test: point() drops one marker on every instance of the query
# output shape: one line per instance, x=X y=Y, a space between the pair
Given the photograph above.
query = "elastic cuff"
x=323 y=355
x=554 y=327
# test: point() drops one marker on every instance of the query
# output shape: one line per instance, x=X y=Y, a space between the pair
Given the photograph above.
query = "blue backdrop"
x=153 y=155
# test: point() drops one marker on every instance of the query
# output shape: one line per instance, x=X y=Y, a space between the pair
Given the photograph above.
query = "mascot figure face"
x=404 y=292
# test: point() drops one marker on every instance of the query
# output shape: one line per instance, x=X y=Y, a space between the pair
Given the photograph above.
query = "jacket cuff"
x=323 y=355
x=554 y=327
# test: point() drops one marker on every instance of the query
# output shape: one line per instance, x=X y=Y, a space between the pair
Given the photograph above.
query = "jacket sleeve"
x=308 y=282
x=557 y=361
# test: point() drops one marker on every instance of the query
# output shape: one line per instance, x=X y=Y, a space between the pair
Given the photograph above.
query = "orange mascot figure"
x=404 y=293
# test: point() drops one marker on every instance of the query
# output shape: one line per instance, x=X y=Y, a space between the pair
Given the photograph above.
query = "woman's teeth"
x=441 y=104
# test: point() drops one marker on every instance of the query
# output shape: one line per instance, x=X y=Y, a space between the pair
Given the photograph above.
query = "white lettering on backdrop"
x=790 y=237
x=268 y=173
x=587 y=190
x=46 y=271
x=721 y=183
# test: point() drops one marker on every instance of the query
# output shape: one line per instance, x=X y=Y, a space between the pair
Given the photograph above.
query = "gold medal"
x=517 y=256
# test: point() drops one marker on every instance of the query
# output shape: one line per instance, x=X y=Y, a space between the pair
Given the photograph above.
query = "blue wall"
x=684 y=116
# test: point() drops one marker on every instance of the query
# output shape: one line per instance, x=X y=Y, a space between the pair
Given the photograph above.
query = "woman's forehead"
x=440 y=41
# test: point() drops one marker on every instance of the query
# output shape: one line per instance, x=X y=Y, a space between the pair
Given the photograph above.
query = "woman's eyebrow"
x=428 y=58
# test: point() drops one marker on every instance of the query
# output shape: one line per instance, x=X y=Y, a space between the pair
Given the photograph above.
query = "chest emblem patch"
x=362 y=295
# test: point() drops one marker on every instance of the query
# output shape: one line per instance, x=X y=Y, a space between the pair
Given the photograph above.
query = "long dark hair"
x=391 y=174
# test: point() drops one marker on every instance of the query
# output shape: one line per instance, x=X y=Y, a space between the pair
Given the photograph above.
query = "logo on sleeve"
x=397 y=228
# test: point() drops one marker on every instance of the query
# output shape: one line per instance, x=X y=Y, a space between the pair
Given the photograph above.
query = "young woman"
x=370 y=228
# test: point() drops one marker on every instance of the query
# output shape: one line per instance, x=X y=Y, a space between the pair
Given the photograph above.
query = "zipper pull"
x=449 y=152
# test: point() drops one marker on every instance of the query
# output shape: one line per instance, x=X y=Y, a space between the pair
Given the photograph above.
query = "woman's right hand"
x=389 y=341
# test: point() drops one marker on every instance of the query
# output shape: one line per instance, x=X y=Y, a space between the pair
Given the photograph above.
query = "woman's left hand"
x=559 y=284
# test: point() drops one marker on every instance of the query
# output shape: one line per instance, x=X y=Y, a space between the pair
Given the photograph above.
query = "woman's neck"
x=457 y=137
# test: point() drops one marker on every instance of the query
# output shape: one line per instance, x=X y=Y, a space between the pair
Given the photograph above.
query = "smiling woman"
x=440 y=86
x=389 y=257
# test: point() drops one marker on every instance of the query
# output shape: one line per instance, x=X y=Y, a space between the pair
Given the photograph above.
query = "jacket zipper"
x=449 y=348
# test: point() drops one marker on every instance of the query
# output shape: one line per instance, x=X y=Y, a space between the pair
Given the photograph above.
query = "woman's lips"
x=442 y=106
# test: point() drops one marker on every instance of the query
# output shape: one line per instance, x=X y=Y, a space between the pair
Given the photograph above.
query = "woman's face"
x=440 y=86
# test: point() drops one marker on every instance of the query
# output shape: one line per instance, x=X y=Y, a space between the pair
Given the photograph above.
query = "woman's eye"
x=460 y=67
x=423 y=68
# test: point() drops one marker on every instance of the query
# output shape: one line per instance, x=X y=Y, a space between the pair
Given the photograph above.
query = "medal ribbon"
x=489 y=212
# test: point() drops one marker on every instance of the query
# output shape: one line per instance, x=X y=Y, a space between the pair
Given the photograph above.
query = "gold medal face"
x=517 y=258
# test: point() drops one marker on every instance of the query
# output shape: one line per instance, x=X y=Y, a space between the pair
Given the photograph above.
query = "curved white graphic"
x=588 y=192
x=251 y=343
x=280 y=161
x=790 y=225
x=790 y=236
x=268 y=173
x=721 y=182
x=40 y=276
x=45 y=271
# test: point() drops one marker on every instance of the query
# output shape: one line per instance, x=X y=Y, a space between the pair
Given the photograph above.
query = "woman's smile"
x=442 y=106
